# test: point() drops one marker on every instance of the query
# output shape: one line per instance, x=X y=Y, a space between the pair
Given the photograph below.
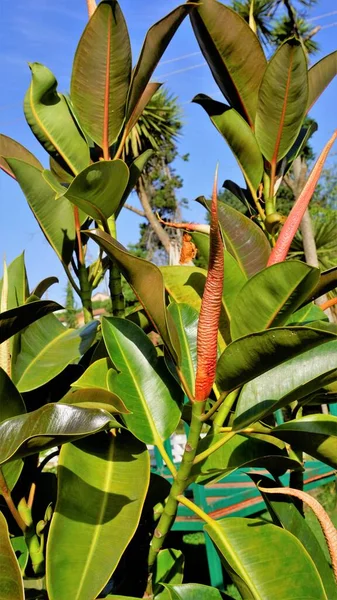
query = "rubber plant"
x=84 y=134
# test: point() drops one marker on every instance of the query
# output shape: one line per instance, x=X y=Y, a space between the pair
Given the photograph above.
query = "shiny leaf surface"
x=101 y=74
x=47 y=348
x=48 y=115
x=237 y=68
x=106 y=477
x=271 y=296
x=11 y=580
x=186 y=321
x=16 y=319
x=282 y=102
x=147 y=389
x=49 y=426
x=192 y=591
x=95 y=398
x=294 y=379
x=11 y=405
x=169 y=569
x=253 y=552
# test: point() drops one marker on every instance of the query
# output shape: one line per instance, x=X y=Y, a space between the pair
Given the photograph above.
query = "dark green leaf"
x=11 y=405
x=146 y=281
x=307 y=315
x=11 y=580
x=102 y=484
x=135 y=171
x=51 y=121
x=43 y=286
x=233 y=52
x=49 y=426
x=56 y=218
x=282 y=102
x=239 y=137
x=101 y=74
x=95 y=398
x=262 y=572
x=271 y=296
x=314 y=434
x=186 y=321
x=292 y=380
x=142 y=382
x=16 y=319
x=327 y=282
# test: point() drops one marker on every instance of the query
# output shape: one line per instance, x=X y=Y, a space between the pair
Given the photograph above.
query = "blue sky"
x=48 y=32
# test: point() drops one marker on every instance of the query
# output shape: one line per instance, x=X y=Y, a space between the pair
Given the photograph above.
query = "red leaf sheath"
x=211 y=304
x=288 y=231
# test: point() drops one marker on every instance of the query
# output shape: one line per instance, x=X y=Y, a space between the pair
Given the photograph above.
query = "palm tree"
x=157 y=129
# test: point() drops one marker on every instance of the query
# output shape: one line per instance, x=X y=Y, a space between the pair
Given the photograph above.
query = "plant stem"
x=214 y=408
x=196 y=509
x=167 y=459
x=225 y=409
x=200 y=457
x=85 y=293
x=5 y=491
x=115 y=280
x=178 y=487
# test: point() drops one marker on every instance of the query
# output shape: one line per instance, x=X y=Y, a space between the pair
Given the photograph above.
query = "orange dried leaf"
x=207 y=338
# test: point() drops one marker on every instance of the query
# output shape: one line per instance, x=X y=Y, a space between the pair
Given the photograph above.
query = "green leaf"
x=157 y=39
x=18 y=290
x=307 y=315
x=282 y=102
x=192 y=591
x=135 y=171
x=314 y=434
x=147 y=283
x=11 y=148
x=320 y=75
x=11 y=405
x=244 y=240
x=270 y=297
x=240 y=452
x=43 y=286
x=95 y=398
x=95 y=376
x=186 y=284
x=262 y=572
x=185 y=318
x=21 y=551
x=49 y=426
x=14 y=320
x=237 y=68
x=101 y=74
x=102 y=484
x=47 y=348
x=11 y=580
x=56 y=218
x=48 y=115
x=256 y=353
x=239 y=137
x=285 y=513
x=169 y=568
x=299 y=145
x=98 y=190
x=327 y=282
x=292 y=380
x=142 y=382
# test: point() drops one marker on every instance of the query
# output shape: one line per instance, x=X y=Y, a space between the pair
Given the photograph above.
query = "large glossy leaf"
x=11 y=148
x=95 y=398
x=98 y=190
x=11 y=404
x=56 y=219
x=169 y=569
x=186 y=284
x=14 y=320
x=102 y=484
x=285 y=513
x=146 y=281
x=314 y=434
x=254 y=354
x=185 y=318
x=95 y=376
x=49 y=426
x=320 y=76
x=253 y=552
x=157 y=39
x=282 y=102
x=289 y=381
x=233 y=52
x=142 y=382
x=11 y=580
x=101 y=74
x=51 y=121
x=239 y=137
x=240 y=452
x=18 y=291
x=47 y=348
x=243 y=239
x=193 y=591
x=271 y=296
x=307 y=315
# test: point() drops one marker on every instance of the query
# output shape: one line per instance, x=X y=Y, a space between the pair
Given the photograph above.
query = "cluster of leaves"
x=234 y=344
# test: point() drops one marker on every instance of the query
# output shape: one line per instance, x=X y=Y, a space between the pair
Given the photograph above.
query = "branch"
x=141 y=213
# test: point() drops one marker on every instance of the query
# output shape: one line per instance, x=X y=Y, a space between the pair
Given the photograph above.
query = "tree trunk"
x=309 y=244
x=152 y=219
